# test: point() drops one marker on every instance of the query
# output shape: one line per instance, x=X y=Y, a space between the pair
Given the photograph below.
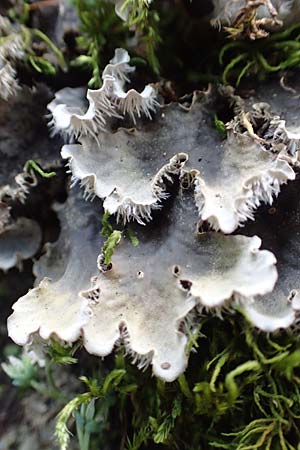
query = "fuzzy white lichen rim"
x=4 y=215
x=246 y=175
x=11 y=50
x=281 y=308
x=6 y=26
x=287 y=135
x=23 y=182
x=72 y=118
x=272 y=312
x=273 y=112
x=132 y=184
x=23 y=141
x=119 y=67
x=19 y=240
x=234 y=175
x=8 y=82
x=151 y=288
x=58 y=305
x=68 y=105
x=283 y=130
x=136 y=104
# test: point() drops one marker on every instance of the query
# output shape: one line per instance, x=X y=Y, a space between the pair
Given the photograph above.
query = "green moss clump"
x=280 y=51
x=240 y=391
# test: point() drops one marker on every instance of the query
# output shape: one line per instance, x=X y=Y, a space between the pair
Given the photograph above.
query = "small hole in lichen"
x=140 y=274
x=186 y=284
x=165 y=365
x=182 y=158
x=29 y=179
x=187 y=180
x=122 y=329
x=203 y=227
x=292 y=294
x=101 y=264
x=94 y=295
x=176 y=270
x=106 y=267
x=185 y=183
x=6 y=197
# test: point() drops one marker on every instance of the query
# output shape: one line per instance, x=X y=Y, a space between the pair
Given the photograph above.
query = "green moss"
x=22 y=371
x=220 y=126
x=101 y=31
x=35 y=56
x=109 y=246
x=31 y=165
x=280 y=51
x=240 y=391
x=132 y=236
x=106 y=227
x=112 y=236
x=145 y=22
